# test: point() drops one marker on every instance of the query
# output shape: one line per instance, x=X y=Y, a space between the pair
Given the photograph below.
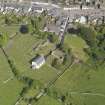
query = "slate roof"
x=39 y=60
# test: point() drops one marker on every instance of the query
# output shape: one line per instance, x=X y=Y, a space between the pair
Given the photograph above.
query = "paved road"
x=71 y=12
x=62 y=33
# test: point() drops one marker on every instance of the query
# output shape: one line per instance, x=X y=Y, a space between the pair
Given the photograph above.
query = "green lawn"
x=9 y=30
x=77 y=44
x=19 y=51
x=9 y=92
x=87 y=100
x=44 y=49
x=31 y=93
x=22 y=103
x=79 y=80
x=46 y=100
x=9 y=87
x=5 y=71
x=44 y=74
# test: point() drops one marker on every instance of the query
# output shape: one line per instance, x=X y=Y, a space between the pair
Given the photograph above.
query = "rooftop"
x=39 y=60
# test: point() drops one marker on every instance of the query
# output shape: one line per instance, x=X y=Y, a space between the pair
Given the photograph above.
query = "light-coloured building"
x=81 y=20
x=38 y=62
x=87 y=1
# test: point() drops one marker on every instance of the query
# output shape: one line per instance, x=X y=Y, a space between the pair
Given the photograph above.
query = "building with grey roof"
x=38 y=62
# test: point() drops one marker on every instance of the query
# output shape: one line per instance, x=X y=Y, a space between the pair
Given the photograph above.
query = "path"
x=8 y=80
x=91 y=94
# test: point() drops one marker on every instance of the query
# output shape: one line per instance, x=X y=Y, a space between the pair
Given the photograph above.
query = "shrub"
x=24 y=29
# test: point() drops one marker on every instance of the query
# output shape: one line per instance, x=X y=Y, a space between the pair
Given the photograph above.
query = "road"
x=62 y=33
x=72 y=11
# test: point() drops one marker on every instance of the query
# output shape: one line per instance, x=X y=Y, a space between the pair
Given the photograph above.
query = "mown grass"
x=9 y=92
x=10 y=30
x=87 y=100
x=81 y=79
x=9 y=86
x=46 y=100
x=5 y=71
x=21 y=52
x=77 y=45
x=44 y=74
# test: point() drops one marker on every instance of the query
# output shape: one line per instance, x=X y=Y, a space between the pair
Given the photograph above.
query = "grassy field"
x=44 y=74
x=9 y=92
x=31 y=92
x=10 y=30
x=9 y=87
x=20 y=51
x=5 y=71
x=46 y=100
x=23 y=103
x=86 y=86
x=77 y=44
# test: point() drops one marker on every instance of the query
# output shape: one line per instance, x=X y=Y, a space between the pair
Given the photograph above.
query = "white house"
x=38 y=62
x=81 y=20
x=87 y=1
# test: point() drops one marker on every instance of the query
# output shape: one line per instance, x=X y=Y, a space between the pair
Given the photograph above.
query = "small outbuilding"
x=38 y=62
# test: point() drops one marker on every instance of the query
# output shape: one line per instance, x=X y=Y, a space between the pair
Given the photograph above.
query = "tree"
x=98 y=6
x=63 y=98
x=88 y=34
x=3 y=39
x=53 y=38
x=97 y=50
x=44 y=13
x=32 y=22
x=7 y=20
x=35 y=24
x=81 y=5
x=103 y=19
x=93 y=3
x=24 y=29
x=54 y=62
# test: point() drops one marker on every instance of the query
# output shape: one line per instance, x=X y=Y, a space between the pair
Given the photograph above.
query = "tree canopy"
x=3 y=39
x=88 y=34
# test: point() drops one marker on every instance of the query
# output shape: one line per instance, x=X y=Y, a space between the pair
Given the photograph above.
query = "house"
x=37 y=8
x=38 y=62
x=81 y=20
x=88 y=1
